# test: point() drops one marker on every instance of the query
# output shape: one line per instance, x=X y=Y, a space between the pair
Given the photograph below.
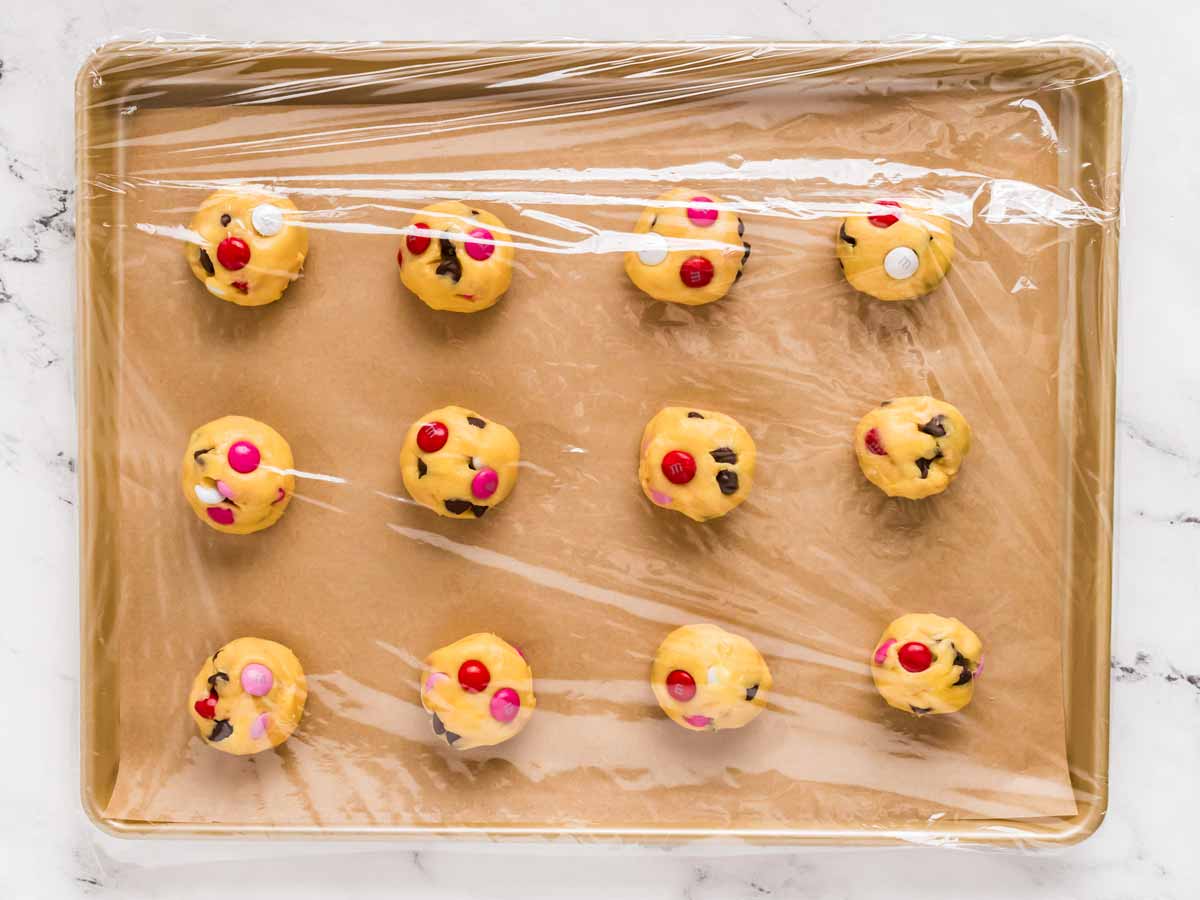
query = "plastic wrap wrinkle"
x=566 y=145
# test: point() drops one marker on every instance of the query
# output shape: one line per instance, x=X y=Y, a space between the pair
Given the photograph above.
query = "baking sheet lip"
x=1078 y=827
x=996 y=832
x=1101 y=57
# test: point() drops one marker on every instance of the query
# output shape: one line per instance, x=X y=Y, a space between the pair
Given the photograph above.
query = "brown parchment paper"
x=576 y=566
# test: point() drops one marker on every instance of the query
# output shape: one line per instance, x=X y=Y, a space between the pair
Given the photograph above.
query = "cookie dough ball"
x=237 y=474
x=251 y=248
x=927 y=664
x=249 y=696
x=707 y=679
x=456 y=258
x=458 y=463
x=696 y=461
x=478 y=691
x=912 y=446
x=896 y=252
x=691 y=252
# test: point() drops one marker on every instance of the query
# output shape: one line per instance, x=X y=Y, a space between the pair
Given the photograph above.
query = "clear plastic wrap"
x=1016 y=144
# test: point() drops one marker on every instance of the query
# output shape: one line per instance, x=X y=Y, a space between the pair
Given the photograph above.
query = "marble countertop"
x=1145 y=849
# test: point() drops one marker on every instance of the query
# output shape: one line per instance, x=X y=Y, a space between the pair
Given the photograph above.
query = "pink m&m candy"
x=698 y=721
x=259 y=726
x=479 y=251
x=257 y=680
x=505 y=705
x=244 y=457
x=702 y=216
x=882 y=651
x=484 y=484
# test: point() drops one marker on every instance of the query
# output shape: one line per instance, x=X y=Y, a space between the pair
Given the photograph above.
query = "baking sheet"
x=576 y=567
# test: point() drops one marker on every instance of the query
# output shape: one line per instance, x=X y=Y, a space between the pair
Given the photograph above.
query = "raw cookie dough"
x=458 y=463
x=895 y=252
x=478 y=691
x=707 y=679
x=912 y=446
x=252 y=246
x=249 y=696
x=687 y=274
x=237 y=474
x=927 y=664
x=697 y=462
x=465 y=272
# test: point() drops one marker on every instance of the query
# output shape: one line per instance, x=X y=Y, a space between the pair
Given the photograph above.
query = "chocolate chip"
x=960 y=660
x=449 y=264
x=853 y=242
x=214 y=678
x=728 y=480
x=695 y=415
x=451 y=737
x=751 y=691
x=438 y=727
x=457 y=507
x=422 y=469
x=920 y=710
x=841 y=265
x=477 y=422
x=935 y=427
x=474 y=212
x=471 y=463
x=226 y=218
x=741 y=227
x=196 y=456
x=724 y=455
x=924 y=464
x=221 y=730
x=885 y=403
x=479 y=511
x=218 y=653
x=206 y=263
x=653 y=222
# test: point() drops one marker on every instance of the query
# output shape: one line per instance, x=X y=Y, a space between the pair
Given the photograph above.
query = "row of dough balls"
x=251 y=246
x=238 y=473
x=249 y=696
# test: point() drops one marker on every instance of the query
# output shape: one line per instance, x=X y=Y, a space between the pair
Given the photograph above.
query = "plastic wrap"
x=1016 y=144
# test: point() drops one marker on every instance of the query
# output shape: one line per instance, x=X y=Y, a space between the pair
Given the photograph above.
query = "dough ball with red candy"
x=696 y=461
x=478 y=691
x=456 y=258
x=237 y=474
x=707 y=679
x=459 y=463
x=248 y=247
x=690 y=250
x=912 y=446
x=927 y=664
x=248 y=696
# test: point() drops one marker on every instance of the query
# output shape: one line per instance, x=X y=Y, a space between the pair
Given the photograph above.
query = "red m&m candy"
x=233 y=253
x=679 y=466
x=432 y=436
x=696 y=272
x=885 y=220
x=473 y=676
x=418 y=243
x=681 y=685
x=915 y=657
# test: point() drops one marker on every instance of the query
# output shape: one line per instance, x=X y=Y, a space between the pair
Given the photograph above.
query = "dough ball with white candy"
x=689 y=250
x=250 y=246
x=895 y=252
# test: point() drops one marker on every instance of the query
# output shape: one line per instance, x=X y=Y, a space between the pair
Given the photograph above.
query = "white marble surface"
x=1146 y=848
